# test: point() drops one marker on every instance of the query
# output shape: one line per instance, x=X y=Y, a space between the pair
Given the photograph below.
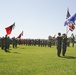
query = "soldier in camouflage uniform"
x=59 y=42
x=64 y=44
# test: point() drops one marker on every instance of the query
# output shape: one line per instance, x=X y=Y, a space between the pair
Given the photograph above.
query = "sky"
x=38 y=19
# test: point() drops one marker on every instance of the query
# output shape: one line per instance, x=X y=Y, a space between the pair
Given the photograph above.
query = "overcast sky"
x=37 y=18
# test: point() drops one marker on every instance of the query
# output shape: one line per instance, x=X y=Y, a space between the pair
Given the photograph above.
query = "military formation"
x=61 y=42
x=39 y=42
x=6 y=41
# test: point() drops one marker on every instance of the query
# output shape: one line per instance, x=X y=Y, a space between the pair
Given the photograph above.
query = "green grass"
x=34 y=60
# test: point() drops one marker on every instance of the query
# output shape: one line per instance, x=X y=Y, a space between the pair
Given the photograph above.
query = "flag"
x=21 y=34
x=71 y=27
x=70 y=20
x=68 y=14
x=9 y=29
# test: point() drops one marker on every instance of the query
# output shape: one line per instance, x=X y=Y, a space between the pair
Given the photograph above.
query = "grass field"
x=34 y=60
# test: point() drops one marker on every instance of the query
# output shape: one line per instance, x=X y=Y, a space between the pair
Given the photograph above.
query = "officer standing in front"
x=59 y=42
x=64 y=44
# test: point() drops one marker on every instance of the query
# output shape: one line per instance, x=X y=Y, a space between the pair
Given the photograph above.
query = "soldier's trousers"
x=58 y=50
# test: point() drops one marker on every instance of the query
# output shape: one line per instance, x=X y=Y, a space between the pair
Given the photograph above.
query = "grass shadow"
x=22 y=48
x=69 y=57
x=16 y=52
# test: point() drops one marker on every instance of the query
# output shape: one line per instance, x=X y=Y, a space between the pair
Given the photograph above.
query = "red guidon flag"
x=9 y=29
x=21 y=34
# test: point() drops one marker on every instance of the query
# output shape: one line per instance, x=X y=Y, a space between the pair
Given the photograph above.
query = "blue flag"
x=70 y=20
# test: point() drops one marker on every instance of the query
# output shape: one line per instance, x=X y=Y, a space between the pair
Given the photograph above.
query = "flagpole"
x=67 y=16
x=67 y=30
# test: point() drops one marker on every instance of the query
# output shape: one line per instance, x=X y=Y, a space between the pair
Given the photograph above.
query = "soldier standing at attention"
x=72 y=39
x=2 y=43
x=59 y=42
x=6 y=43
